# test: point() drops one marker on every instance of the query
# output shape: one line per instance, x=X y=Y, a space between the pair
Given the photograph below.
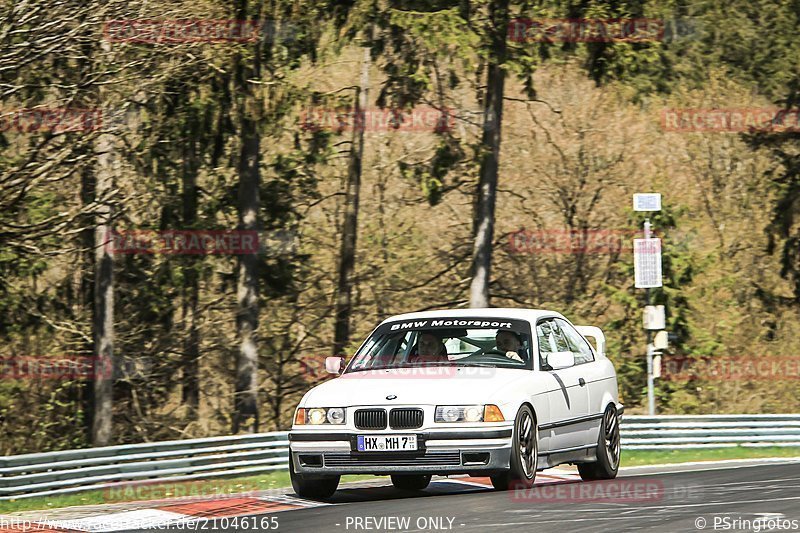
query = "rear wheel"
x=524 y=453
x=312 y=487
x=608 y=450
x=410 y=482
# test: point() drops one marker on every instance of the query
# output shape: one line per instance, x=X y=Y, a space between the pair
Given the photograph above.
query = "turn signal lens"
x=300 y=417
x=491 y=413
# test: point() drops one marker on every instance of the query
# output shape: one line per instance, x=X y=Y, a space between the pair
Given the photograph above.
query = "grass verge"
x=656 y=457
x=158 y=490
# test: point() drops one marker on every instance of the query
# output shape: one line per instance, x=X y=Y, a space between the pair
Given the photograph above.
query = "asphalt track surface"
x=747 y=496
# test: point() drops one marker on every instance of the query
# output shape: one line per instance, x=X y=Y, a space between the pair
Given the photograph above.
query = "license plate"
x=387 y=443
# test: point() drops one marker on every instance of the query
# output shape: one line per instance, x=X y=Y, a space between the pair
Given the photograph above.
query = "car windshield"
x=481 y=341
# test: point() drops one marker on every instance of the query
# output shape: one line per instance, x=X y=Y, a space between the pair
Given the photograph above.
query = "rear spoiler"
x=596 y=334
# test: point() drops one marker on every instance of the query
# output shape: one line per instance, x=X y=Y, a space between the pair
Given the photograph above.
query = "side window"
x=384 y=351
x=543 y=332
x=551 y=339
x=561 y=343
x=577 y=344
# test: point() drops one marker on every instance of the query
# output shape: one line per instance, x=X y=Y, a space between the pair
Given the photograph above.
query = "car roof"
x=505 y=312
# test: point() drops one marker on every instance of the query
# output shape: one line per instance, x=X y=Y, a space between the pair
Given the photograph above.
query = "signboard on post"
x=647 y=263
x=649 y=201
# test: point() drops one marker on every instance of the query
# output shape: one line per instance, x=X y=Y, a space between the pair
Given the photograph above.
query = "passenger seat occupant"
x=509 y=343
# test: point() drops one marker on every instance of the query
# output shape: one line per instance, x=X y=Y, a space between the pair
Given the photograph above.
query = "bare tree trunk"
x=191 y=342
x=347 y=251
x=245 y=415
x=86 y=273
x=103 y=319
x=483 y=223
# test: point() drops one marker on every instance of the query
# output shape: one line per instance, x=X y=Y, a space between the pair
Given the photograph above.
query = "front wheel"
x=312 y=487
x=608 y=450
x=410 y=481
x=524 y=453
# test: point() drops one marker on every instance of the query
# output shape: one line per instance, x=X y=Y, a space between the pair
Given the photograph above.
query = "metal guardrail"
x=43 y=474
x=709 y=431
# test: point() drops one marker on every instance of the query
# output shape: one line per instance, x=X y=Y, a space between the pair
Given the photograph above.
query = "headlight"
x=316 y=416
x=473 y=413
x=335 y=415
x=465 y=413
x=468 y=413
x=319 y=415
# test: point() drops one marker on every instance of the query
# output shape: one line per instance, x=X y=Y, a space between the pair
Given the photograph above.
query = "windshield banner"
x=519 y=326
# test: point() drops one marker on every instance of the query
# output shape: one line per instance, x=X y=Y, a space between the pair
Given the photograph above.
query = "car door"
x=568 y=398
x=591 y=373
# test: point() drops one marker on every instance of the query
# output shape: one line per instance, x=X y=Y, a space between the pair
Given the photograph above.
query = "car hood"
x=418 y=386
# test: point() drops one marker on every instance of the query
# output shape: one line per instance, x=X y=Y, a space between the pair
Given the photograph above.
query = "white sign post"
x=647 y=275
x=647 y=263
x=650 y=201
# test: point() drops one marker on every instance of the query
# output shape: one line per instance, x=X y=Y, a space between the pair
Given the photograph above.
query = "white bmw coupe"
x=485 y=392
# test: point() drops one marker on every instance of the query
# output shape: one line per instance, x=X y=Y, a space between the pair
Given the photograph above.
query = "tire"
x=608 y=450
x=312 y=487
x=411 y=481
x=524 y=453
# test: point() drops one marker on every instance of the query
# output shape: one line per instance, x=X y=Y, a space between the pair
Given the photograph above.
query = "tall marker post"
x=647 y=275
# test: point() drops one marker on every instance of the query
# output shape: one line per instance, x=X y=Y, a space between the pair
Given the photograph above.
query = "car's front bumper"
x=441 y=452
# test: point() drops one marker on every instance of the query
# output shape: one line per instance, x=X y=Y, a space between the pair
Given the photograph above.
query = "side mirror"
x=334 y=365
x=559 y=360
